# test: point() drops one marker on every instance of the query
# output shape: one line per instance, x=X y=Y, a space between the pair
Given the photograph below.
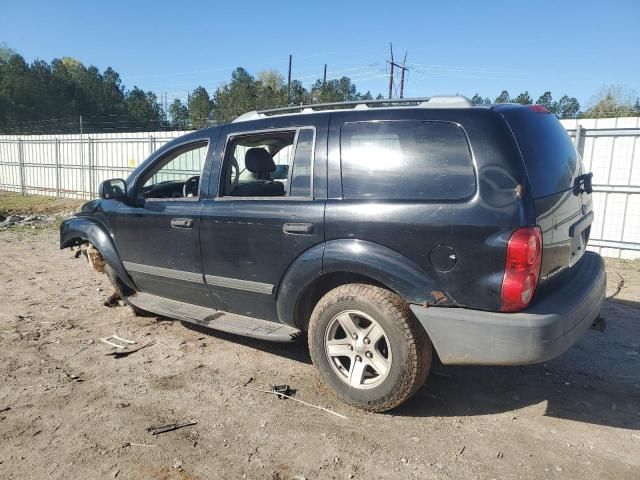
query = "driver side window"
x=177 y=175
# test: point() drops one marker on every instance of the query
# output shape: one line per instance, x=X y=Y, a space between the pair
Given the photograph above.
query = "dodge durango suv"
x=387 y=232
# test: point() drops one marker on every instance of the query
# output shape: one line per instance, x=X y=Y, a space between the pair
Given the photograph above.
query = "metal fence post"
x=21 y=166
x=579 y=140
x=57 y=147
x=91 y=170
x=152 y=144
x=82 y=169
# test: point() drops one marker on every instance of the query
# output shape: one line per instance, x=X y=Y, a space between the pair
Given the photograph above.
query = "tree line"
x=610 y=101
x=41 y=97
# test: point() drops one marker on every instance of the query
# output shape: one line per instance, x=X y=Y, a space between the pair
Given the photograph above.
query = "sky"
x=464 y=47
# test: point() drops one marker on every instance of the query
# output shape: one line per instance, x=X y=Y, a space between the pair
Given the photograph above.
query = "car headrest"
x=258 y=160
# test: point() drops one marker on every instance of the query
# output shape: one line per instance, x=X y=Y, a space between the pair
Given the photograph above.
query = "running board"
x=216 y=319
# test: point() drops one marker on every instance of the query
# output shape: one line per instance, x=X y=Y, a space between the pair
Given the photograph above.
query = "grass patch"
x=15 y=204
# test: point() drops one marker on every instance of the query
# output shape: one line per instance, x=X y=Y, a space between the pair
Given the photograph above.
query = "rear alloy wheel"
x=368 y=346
x=357 y=349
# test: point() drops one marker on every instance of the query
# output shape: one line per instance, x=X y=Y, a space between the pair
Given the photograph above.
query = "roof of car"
x=438 y=101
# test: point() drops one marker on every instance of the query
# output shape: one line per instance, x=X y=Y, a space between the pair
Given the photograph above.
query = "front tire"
x=124 y=291
x=368 y=346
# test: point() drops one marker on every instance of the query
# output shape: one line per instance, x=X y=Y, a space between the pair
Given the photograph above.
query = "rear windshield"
x=410 y=159
x=549 y=155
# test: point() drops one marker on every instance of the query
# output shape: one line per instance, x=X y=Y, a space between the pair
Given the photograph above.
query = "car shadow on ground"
x=597 y=381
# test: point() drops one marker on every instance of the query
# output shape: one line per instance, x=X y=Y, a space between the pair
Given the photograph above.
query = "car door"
x=158 y=240
x=251 y=239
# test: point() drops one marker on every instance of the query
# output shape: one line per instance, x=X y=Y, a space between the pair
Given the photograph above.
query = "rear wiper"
x=582 y=184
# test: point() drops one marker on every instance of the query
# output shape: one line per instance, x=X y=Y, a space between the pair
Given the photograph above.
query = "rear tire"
x=368 y=346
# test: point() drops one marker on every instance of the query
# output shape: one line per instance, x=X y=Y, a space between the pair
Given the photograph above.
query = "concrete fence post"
x=23 y=190
x=57 y=156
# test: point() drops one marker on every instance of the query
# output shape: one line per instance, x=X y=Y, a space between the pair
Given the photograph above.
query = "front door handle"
x=298 y=228
x=182 y=222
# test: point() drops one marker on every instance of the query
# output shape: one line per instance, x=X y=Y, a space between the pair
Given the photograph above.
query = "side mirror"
x=116 y=188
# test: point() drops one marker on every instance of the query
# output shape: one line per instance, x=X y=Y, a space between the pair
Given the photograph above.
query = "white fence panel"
x=73 y=166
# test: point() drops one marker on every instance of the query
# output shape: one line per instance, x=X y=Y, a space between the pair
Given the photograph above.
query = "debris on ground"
x=618 y=287
x=127 y=352
x=112 y=300
x=120 y=341
x=170 y=427
x=129 y=444
x=32 y=221
x=249 y=380
x=282 y=391
x=297 y=400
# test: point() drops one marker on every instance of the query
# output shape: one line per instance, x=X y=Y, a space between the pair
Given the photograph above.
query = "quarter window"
x=414 y=160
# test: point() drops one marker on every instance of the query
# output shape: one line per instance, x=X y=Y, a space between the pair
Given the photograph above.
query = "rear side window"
x=410 y=160
x=548 y=153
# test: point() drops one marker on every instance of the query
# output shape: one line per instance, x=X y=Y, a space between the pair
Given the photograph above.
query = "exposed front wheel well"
x=75 y=242
x=321 y=286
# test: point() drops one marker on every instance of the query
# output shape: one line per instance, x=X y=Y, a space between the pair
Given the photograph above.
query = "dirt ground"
x=67 y=410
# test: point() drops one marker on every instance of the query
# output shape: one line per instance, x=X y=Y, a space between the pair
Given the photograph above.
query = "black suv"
x=387 y=231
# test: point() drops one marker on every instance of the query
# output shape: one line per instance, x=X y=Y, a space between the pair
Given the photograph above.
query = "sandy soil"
x=67 y=410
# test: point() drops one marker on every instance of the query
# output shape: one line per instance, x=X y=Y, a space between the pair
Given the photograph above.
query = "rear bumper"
x=543 y=331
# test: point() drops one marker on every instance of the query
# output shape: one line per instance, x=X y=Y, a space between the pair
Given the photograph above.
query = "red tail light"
x=524 y=254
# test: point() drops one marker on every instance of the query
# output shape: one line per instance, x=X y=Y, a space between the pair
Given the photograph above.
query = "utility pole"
x=402 y=67
x=289 y=82
x=404 y=62
x=166 y=112
x=324 y=77
x=391 y=64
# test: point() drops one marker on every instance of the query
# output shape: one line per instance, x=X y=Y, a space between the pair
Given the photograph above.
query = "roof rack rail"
x=437 y=101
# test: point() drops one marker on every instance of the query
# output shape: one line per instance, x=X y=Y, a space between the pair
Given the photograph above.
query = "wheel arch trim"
x=349 y=256
x=79 y=229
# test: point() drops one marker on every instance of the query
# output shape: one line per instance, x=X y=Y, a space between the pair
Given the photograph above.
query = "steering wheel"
x=190 y=187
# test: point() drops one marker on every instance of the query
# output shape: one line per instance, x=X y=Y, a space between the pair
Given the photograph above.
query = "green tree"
x=523 y=99
x=271 y=91
x=179 y=115
x=200 y=107
x=6 y=52
x=612 y=101
x=503 y=97
x=568 y=107
x=235 y=98
x=143 y=109
x=336 y=90
x=299 y=94
x=477 y=99
x=546 y=100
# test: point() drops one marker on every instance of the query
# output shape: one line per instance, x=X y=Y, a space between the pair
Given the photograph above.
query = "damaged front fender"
x=79 y=230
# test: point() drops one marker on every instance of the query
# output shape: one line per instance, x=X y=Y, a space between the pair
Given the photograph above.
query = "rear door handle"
x=182 y=222
x=298 y=228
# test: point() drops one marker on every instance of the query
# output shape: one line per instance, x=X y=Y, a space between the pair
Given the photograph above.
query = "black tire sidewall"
x=397 y=342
